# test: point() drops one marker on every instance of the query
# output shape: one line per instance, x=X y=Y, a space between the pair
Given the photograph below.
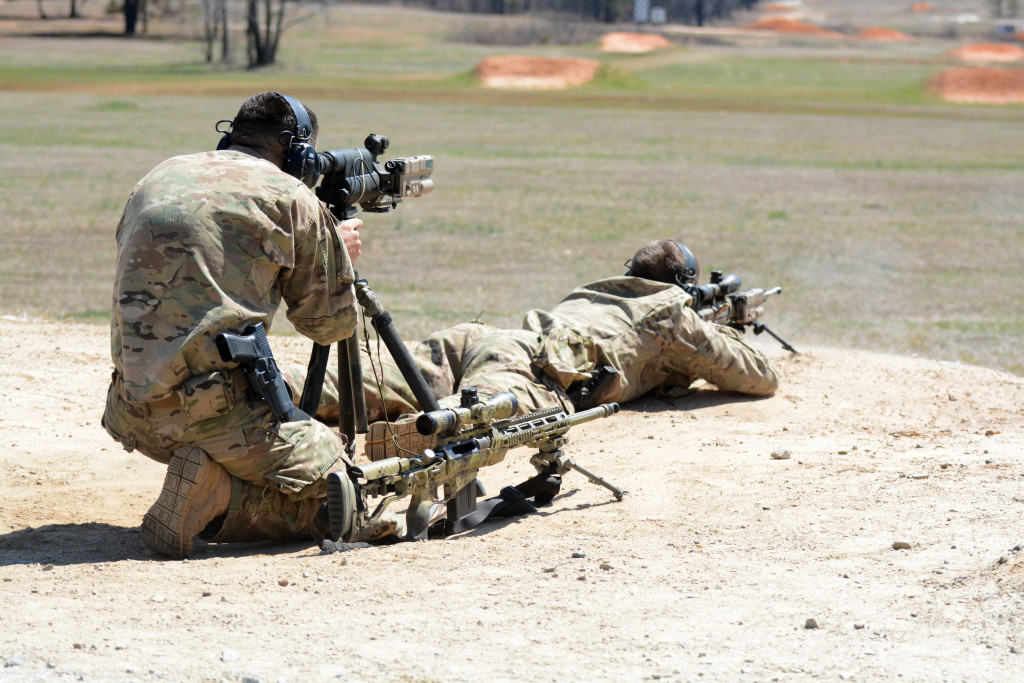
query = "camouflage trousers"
x=278 y=469
x=467 y=355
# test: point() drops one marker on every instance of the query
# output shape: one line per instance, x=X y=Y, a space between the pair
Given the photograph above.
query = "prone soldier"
x=612 y=340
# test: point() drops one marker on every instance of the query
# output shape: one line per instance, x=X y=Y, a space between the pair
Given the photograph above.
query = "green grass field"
x=894 y=221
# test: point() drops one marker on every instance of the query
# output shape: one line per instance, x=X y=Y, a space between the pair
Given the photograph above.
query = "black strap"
x=314 y=385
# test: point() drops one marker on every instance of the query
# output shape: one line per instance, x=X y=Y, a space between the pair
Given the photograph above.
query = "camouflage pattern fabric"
x=466 y=355
x=643 y=328
x=650 y=334
x=211 y=243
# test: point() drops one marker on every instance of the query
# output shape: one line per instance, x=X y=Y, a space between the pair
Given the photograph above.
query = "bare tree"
x=265 y=22
x=1004 y=8
x=73 y=12
x=130 y=9
x=215 y=25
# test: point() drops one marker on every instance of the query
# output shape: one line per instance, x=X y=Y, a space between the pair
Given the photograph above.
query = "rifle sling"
x=511 y=502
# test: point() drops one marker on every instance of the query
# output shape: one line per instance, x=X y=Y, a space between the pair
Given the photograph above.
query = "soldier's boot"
x=196 y=490
x=398 y=439
x=262 y=513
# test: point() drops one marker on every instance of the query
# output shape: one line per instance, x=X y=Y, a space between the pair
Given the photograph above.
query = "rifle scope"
x=716 y=289
x=446 y=421
x=353 y=176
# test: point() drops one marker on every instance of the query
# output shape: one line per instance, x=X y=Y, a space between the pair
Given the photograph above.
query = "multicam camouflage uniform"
x=643 y=328
x=210 y=243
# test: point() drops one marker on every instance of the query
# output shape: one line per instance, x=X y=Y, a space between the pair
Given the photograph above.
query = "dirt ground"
x=882 y=34
x=983 y=53
x=894 y=525
x=618 y=41
x=783 y=25
x=518 y=72
x=980 y=85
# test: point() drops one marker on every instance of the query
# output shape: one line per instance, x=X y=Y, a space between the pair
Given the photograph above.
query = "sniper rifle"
x=474 y=435
x=720 y=301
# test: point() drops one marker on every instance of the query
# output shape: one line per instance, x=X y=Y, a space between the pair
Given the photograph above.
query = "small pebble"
x=282 y=582
x=578 y=555
x=901 y=545
x=781 y=454
x=811 y=623
x=15 y=660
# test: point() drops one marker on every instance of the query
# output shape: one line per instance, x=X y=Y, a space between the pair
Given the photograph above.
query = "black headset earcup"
x=302 y=162
x=301 y=159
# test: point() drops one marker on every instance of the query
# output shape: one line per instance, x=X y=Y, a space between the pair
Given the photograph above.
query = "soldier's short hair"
x=262 y=117
x=661 y=260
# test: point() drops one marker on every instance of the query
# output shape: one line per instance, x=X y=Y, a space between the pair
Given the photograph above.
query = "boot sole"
x=163 y=526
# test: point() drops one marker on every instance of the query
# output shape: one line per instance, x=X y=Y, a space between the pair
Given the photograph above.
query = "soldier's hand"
x=350 y=236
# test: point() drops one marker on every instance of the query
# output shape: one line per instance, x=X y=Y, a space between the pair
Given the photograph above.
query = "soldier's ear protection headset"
x=300 y=159
x=689 y=273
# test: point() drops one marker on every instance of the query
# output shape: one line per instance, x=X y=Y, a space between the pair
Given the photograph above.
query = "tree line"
x=692 y=12
x=264 y=21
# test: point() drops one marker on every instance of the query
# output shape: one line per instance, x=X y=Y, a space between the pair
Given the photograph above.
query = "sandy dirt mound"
x=988 y=52
x=890 y=515
x=515 y=72
x=780 y=25
x=919 y=7
x=633 y=42
x=982 y=85
x=882 y=34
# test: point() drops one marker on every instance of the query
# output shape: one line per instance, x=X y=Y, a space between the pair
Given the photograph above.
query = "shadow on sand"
x=99 y=542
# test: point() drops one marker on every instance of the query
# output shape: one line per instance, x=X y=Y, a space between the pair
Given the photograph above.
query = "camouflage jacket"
x=648 y=331
x=211 y=242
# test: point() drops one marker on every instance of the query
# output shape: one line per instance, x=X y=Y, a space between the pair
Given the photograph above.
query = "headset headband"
x=303 y=128
x=690 y=270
